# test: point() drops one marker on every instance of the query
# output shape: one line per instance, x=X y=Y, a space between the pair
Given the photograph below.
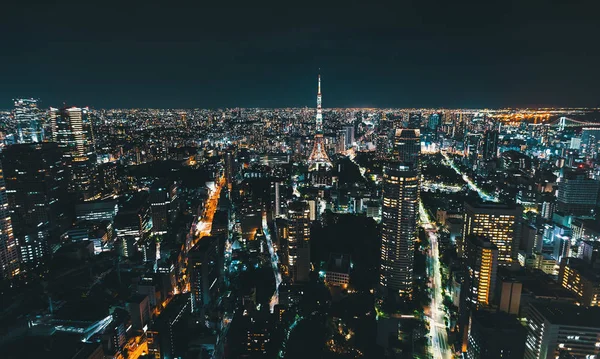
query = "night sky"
x=267 y=54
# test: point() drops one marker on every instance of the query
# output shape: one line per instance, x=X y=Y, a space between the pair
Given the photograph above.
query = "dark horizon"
x=468 y=55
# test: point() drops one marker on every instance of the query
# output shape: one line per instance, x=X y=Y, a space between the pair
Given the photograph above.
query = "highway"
x=437 y=326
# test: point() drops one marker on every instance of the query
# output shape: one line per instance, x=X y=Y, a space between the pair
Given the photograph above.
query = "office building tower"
x=500 y=223
x=407 y=146
x=72 y=130
x=495 y=336
x=349 y=129
x=36 y=190
x=341 y=143
x=490 y=145
x=299 y=241
x=167 y=336
x=204 y=273
x=28 y=118
x=399 y=229
x=581 y=279
x=435 y=120
x=318 y=158
x=9 y=253
x=590 y=141
x=554 y=328
x=159 y=199
x=414 y=120
x=383 y=146
x=577 y=193
x=481 y=259
x=510 y=296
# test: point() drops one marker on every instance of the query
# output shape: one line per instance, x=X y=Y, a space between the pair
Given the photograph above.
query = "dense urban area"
x=299 y=232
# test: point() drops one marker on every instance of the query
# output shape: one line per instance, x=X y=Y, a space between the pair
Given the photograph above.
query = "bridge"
x=564 y=122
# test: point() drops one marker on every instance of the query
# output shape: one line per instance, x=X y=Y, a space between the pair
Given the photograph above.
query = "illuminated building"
x=159 y=206
x=96 y=210
x=510 y=296
x=9 y=253
x=490 y=145
x=338 y=270
x=318 y=158
x=577 y=194
x=28 y=118
x=500 y=223
x=167 y=334
x=554 y=327
x=581 y=279
x=299 y=241
x=399 y=229
x=407 y=146
x=481 y=258
x=495 y=336
x=414 y=120
x=203 y=269
x=36 y=189
x=72 y=130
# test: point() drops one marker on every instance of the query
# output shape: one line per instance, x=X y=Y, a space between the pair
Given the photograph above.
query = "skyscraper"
x=9 y=254
x=318 y=158
x=500 y=223
x=204 y=272
x=495 y=336
x=577 y=193
x=407 y=146
x=554 y=327
x=28 y=119
x=399 y=231
x=482 y=262
x=72 y=130
x=299 y=240
x=490 y=145
x=36 y=192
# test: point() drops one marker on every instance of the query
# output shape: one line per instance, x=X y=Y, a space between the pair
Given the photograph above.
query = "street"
x=437 y=326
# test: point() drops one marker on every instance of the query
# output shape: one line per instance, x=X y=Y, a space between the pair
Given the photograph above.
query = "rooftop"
x=569 y=314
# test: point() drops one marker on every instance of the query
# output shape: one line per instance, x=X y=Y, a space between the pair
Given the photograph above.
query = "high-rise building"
x=414 y=120
x=318 y=158
x=582 y=279
x=9 y=253
x=554 y=327
x=490 y=145
x=159 y=199
x=495 y=336
x=349 y=129
x=72 y=130
x=500 y=223
x=590 y=141
x=481 y=259
x=407 y=146
x=399 y=231
x=299 y=241
x=204 y=272
x=577 y=193
x=167 y=335
x=28 y=118
x=36 y=187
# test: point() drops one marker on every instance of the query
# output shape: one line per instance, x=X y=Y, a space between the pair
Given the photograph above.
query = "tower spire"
x=318 y=157
x=319 y=110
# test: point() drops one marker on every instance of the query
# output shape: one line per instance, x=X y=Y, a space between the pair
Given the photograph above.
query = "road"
x=486 y=197
x=274 y=262
x=204 y=225
x=437 y=326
